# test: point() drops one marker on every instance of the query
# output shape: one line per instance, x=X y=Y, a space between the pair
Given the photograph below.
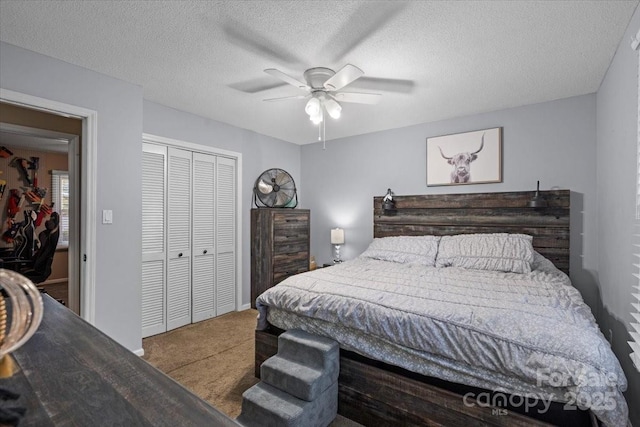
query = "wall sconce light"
x=388 y=204
x=337 y=239
x=538 y=201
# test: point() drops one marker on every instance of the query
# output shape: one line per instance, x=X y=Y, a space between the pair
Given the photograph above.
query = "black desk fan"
x=275 y=188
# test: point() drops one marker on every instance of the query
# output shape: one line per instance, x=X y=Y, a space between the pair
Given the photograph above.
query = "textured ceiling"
x=430 y=60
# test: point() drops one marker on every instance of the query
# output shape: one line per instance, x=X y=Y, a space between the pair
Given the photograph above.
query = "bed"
x=451 y=346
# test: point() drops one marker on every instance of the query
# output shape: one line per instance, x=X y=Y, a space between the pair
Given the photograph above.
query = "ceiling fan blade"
x=366 y=20
x=343 y=77
x=243 y=36
x=286 y=78
x=284 y=98
x=388 y=85
x=358 y=98
x=256 y=85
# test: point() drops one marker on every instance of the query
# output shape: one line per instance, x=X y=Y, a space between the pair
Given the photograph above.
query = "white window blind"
x=60 y=199
x=635 y=293
x=635 y=45
x=635 y=313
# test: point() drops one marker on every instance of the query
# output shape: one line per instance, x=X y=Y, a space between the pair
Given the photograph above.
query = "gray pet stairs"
x=299 y=385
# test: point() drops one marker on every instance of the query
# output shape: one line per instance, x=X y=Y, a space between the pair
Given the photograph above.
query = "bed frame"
x=375 y=393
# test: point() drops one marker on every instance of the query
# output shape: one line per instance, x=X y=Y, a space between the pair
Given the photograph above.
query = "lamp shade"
x=313 y=107
x=333 y=108
x=538 y=201
x=316 y=118
x=337 y=236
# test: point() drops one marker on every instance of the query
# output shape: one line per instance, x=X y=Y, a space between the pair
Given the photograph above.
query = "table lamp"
x=337 y=239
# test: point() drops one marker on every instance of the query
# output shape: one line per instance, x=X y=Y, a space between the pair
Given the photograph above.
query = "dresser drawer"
x=286 y=224
x=288 y=264
x=292 y=246
x=290 y=217
x=288 y=261
x=281 y=275
x=285 y=239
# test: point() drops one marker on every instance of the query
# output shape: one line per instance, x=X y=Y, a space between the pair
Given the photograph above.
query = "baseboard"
x=245 y=307
x=139 y=352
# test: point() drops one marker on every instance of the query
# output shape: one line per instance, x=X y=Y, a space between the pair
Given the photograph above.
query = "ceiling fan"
x=323 y=87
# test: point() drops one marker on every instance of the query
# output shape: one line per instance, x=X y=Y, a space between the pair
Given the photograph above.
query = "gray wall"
x=259 y=152
x=617 y=127
x=119 y=107
x=553 y=142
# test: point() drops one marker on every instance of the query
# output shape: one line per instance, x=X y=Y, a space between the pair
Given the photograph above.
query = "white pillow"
x=497 y=252
x=405 y=249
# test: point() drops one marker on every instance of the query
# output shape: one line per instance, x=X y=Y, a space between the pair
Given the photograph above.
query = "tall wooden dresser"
x=279 y=246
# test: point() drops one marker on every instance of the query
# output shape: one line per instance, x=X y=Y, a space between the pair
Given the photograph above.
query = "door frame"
x=169 y=142
x=87 y=184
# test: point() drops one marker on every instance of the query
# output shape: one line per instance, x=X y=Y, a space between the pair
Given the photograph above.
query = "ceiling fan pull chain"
x=324 y=134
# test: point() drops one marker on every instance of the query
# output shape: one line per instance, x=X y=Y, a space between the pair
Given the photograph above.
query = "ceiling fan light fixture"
x=323 y=86
x=313 y=107
x=333 y=108
x=316 y=118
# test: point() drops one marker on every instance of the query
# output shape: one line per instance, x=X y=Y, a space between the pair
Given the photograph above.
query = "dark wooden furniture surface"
x=374 y=393
x=70 y=373
x=279 y=246
x=447 y=214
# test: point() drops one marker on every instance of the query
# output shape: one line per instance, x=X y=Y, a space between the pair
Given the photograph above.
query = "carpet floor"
x=214 y=359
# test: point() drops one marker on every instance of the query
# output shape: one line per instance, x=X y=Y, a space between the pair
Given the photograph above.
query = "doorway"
x=47 y=185
x=81 y=152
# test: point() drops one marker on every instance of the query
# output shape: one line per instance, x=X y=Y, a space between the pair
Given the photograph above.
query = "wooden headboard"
x=447 y=214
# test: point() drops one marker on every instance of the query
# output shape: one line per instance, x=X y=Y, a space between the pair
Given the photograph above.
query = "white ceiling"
x=11 y=140
x=430 y=60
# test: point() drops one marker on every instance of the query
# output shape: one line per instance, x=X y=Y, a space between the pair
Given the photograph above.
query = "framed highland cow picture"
x=465 y=158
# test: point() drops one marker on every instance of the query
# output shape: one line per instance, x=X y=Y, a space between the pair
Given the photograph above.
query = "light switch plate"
x=107 y=216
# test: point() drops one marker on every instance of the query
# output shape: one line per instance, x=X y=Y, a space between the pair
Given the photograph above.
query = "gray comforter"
x=524 y=334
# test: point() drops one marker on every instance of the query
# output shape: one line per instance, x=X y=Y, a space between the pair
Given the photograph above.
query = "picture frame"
x=473 y=157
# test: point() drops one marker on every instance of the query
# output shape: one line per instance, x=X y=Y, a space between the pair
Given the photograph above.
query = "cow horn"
x=448 y=158
x=481 y=146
